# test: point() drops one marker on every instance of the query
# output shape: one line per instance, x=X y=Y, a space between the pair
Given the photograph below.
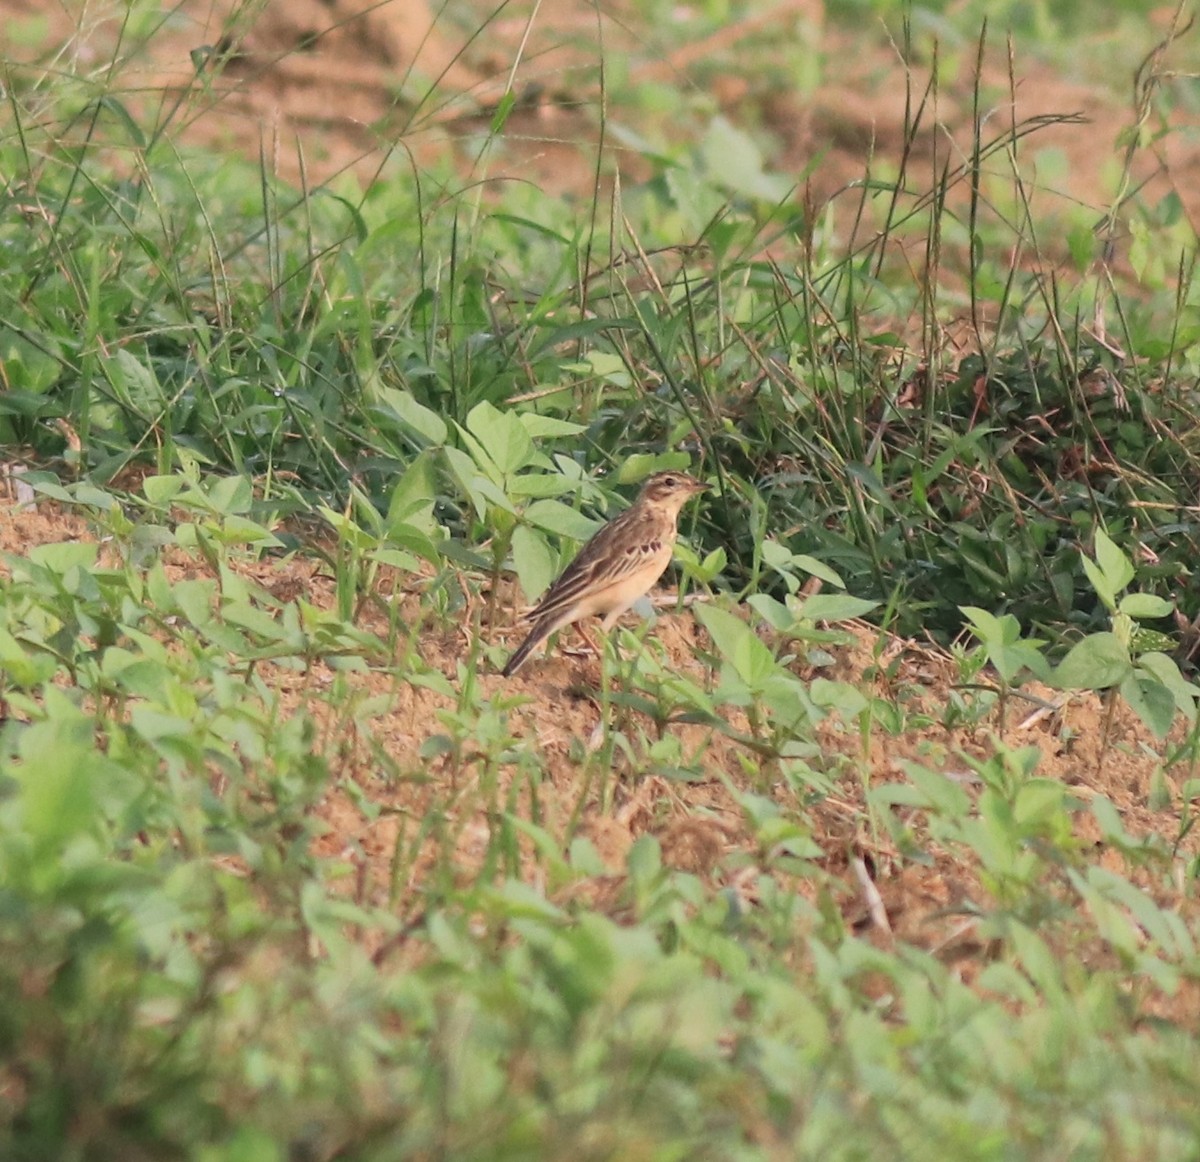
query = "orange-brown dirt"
x=384 y=793
x=336 y=86
x=323 y=87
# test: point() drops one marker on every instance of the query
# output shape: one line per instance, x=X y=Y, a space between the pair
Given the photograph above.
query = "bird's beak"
x=699 y=486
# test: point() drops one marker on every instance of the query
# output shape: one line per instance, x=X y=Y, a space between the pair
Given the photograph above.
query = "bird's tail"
x=541 y=630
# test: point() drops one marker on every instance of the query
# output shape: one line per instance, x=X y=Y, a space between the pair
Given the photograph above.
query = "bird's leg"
x=588 y=640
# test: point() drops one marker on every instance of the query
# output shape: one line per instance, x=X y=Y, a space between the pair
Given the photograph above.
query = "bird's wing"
x=620 y=548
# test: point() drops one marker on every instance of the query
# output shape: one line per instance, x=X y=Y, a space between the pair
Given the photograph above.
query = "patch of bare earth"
x=323 y=87
x=402 y=807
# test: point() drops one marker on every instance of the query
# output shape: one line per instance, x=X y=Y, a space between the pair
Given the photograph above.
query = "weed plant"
x=948 y=409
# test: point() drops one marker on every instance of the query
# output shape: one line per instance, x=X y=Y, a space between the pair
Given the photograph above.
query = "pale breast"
x=614 y=599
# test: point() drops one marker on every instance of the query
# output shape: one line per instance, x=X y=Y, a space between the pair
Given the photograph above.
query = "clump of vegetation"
x=287 y=871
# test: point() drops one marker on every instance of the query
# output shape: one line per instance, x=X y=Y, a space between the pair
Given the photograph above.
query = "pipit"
x=617 y=566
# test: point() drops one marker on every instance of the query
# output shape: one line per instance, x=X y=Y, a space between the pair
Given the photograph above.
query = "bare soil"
x=325 y=87
x=381 y=759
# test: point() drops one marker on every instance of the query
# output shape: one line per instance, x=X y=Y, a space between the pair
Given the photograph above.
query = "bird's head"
x=671 y=489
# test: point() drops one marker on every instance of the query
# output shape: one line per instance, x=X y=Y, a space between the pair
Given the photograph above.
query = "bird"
x=618 y=565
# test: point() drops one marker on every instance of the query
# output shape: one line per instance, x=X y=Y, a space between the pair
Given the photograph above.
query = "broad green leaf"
x=502 y=436
x=818 y=569
x=556 y=517
x=24 y=668
x=1153 y=703
x=542 y=427
x=1165 y=670
x=644 y=859
x=483 y=492
x=415 y=416
x=606 y=366
x=988 y=627
x=734 y=161
x=780 y=558
x=414 y=496
x=238 y=530
x=1096 y=663
x=89 y=494
x=637 y=467
x=65 y=555
x=846 y=699
x=515 y=901
x=943 y=795
x=584 y=859
x=1099 y=582
x=249 y=617
x=193 y=598
x=1143 y=605
x=739 y=645
x=48 y=485
x=539 y=484
x=1162 y=925
x=162 y=490
x=833 y=607
x=230 y=495
x=777 y=615
x=1116 y=566
x=134 y=381
x=397 y=559
x=57 y=774
x=533 y=560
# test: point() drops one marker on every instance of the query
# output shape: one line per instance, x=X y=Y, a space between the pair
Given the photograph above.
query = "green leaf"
x=818 y=569
x=230 y=495
x=940 y=794
x=644 y=859
x=57 y=774
x=238 y=530
x=739 y=645
x=1151 y=701
x=636 y=468
x=1001 y=641
x=415 y=416
x=1143 y=605
x=134 y=381
x=414 y=496
x=987 y=627
x=483 y=492
x=556 y=517
x=733 y=161
x=780 y=558
x=606 y=366
x=503 y=108
x=533 y=561
x=1116 y=566
x=542 y=427
x=777 y=615
x=539 y=484
x=1099 y=582
x=161 y=490
x=502 y=436
x=833 y=607
x=1165 y=670
x=193 y=598
x=1096 y=663
x=24 y=668
x=846 y=699
x=396 y=559
x=65 y=555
